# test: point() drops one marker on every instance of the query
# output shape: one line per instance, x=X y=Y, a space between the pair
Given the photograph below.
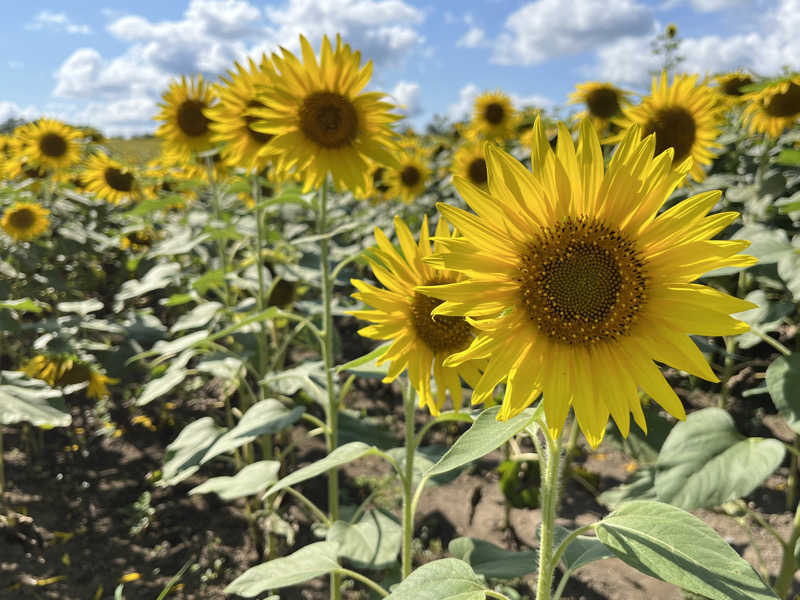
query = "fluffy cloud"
x=406 y=95
x=549 y=28
x=211 y=35
x=766 y=50
x=474 y=37
x=9 y=110
x=703 y=6
x=54 y=21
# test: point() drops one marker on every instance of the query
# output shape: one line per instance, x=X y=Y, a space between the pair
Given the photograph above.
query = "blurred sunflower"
x=377 y=190
x=581 y=282
x=469 y=162
x=51 y=144
x=684 y=116
x=185 y=128
x=110 y=180
x=60 y=370
x=407 y=181
x=729 y=87
x=25 y=221
x=774 y=108
x=401 y=314
x=492 y=117
x=231 y=118
x=321 y=120
x=6 y=155
x=603 y=102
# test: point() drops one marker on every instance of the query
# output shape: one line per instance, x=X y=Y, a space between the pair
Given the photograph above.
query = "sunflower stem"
x=223 y=256
x=332 y=409
x=262 y=348
x=788 y=563
x=408 y=480
x=549 y=502
x=2 y=472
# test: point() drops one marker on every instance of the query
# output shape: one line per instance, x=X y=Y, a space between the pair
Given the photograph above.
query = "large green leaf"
x=486 y=434
x=30 y=401
x=264 y=417
x=581 y=551
x=492 y=561
x=783 y=383
x=182 y=457
x=340 y=456
x=767 y=317
x=307 y=563
x=445 y=579
x=199 y=316
x=372 y=543
x=251 y=480
x=156 y=388
x=672 y=545
x=157 y=278
x=24 y=305
x=640 y=486
x=705 y=462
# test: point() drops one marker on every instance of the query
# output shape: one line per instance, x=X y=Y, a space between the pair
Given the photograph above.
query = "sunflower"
x=729 y=87
x=25 y=221
x=185 y=127
x=231 y=118
x=469 y=162
x=321 y=121
x=400 y=314
x=683 y=116
x=61 y=370
x=492 y=118
x=603 y=102
x=51 y=144
x=581 y=284
x=774 y=108
x=109 y=179
x=407 y=180
x=6 y=155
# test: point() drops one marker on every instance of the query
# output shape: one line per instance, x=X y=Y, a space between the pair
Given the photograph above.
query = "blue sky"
x=105 y=63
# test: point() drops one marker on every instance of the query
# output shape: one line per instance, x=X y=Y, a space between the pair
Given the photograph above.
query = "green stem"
x=2 y=470
x=771 y=341
x=223 y=255
x=408 y=480
x=332 y=409
x=549 y=501
x=310 y=505
x=788 y=564
x=260 y=300
x=493 y=594
x=562 y=547
x=442 y=418
x=365 y=580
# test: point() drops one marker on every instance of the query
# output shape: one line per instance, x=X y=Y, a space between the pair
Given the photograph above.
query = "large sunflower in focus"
x=684 y=116
x=603 y=102
x=774 y=108
x=110 y=180
x=493 y=117
x=408 y=180
x=231 y=118
x=401 y=314
x=581 y=283
x=25 y=221
x=469 y=162
x=185 y=127
x=321 y=120
x=51 y=144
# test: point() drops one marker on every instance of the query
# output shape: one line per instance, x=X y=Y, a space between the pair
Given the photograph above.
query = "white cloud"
x=550 y=28
x=47 y=19
x=703 y=6
x=772 y=45
x=406 y=96
x=462 y=109
x=211 y=35
x=9 y=110
x=531 y=100
x=474 y=37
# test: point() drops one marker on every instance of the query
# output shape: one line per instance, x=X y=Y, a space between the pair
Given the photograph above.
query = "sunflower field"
x=295 y=350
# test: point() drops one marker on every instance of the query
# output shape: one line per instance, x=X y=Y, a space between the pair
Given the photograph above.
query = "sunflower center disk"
x=377 y=180
x=329 y=119
x=440 y=333
x=191 y=119
x=22 y=218
x=734 y=85
x=78 y=373
x=53 y=145
x=603 y=103
x=494 y=113
x=477 y=172
x=582 y=282
x=410 y=176
x=121 y=181
x=674 y=128
x=786 y=104
x=257 y=136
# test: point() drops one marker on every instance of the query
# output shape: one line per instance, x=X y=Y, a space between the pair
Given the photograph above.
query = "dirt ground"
x=84 y=525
